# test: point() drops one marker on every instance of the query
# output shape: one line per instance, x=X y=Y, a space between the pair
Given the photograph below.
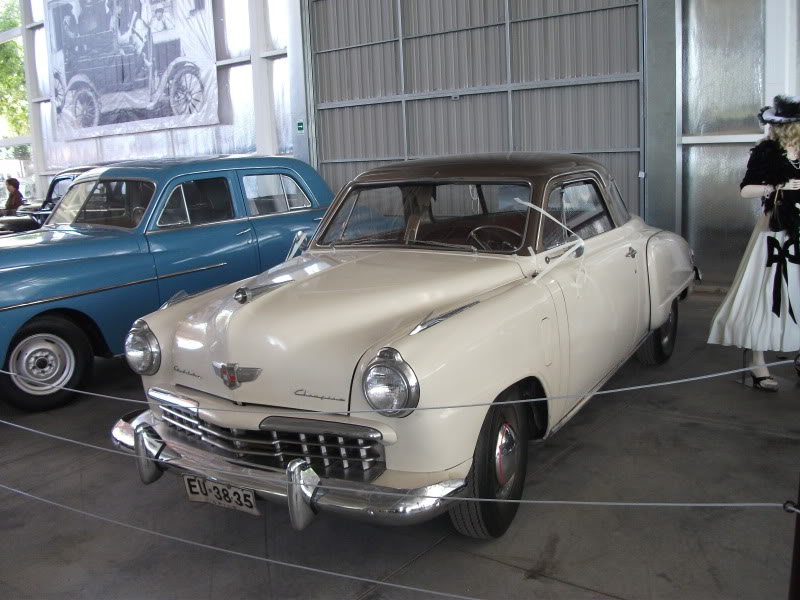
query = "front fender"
x=112 y=288
x=670 y=271
x=468 y=359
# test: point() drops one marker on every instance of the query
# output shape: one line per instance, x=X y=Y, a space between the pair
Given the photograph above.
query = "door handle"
x=631 y=253
x=243 y=232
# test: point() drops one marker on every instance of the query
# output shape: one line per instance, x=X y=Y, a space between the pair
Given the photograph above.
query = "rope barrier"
x=264 y=559
x=445 y=499
x=284 y=412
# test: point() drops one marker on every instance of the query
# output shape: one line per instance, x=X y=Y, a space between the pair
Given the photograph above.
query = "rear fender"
x=670 y=270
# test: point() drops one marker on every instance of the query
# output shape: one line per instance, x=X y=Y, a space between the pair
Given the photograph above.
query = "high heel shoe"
x=765 y=384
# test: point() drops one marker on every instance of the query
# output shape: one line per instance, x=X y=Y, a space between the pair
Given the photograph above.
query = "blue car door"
x=279 y=206
x=200 y=236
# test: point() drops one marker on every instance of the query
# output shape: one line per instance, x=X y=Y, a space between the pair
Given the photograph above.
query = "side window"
x=294 y=193
x=264 y=195
x=579 y=207
x=60 y=188
x=197 y=203
x=271 y=194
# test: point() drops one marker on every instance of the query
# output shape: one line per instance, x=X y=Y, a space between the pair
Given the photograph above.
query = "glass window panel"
x=41 y=63
x=175 y=213
x=37 y=10
x=578 y=207
x=282 y=105
x=723 y=66
x=236 y=133
x=232 y=28
x=295 y=194
x=718 y=222
x=14 y=107
x=208 y=200
x=264 y=195
x=278 y=17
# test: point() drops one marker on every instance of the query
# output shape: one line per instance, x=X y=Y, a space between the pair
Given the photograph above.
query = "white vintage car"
x=372 y=377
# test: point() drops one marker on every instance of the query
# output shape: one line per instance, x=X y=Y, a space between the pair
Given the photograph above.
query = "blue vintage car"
x=126 y=238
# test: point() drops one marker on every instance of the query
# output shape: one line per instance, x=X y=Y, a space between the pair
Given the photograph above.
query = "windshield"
x=113 y=203
x=459 y=216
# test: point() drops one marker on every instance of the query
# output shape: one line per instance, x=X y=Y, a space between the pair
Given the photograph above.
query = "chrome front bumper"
x=299 y=487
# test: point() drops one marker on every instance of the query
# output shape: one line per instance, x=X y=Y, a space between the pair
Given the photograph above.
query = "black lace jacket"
x=768 y=165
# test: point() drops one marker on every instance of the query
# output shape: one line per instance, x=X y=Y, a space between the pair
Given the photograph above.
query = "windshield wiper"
x=443 y=245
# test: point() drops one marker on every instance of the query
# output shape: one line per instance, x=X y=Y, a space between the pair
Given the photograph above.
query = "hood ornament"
x=233 y=375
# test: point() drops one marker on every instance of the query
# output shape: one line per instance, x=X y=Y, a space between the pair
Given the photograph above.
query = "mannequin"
x=762 y=308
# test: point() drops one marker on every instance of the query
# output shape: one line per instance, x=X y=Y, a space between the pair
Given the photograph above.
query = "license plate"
x=220 y=494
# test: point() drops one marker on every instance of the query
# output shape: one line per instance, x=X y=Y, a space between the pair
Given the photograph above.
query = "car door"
x=200 y=236
x=279 y=207
x=599 y=289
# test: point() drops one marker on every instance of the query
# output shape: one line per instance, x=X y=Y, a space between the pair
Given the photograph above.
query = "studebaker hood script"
x=308 y=335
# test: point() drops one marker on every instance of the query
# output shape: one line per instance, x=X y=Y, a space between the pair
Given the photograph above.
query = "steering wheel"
x=504 y=244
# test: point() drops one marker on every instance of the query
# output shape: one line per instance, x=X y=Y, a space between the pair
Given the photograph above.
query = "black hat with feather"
x=786 y=109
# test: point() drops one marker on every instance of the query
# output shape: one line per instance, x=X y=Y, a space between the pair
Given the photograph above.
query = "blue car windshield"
x=458 y=216
x=116 y=203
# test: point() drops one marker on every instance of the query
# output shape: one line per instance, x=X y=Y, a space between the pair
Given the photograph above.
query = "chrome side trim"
x=77 y=294
x=166 y=229
x=299 y=425
x=197 y=270
x=429 y=321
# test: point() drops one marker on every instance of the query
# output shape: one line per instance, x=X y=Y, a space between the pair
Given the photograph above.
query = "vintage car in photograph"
x=126 y=238
x=32 y=216
x=146 y=68
x=374 y=376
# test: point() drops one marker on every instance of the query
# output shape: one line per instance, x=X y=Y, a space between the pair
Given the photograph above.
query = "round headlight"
x=390 y=385
x=142 y=350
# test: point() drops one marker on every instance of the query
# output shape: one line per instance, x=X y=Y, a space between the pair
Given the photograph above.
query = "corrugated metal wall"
x=404 y=79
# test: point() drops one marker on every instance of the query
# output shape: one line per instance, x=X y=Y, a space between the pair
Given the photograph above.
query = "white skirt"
x=746 y=318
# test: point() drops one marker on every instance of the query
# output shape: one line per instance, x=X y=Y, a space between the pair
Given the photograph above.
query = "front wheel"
x=660 y=344
x=498 y=472
x=86 y=107
x=47 y=354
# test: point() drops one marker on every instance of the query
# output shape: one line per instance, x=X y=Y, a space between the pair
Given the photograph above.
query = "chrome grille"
x=345 y=456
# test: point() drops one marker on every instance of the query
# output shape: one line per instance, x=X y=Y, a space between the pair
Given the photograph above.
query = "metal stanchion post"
x=794 y=578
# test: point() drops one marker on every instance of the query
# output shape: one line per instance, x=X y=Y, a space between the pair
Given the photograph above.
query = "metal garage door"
x=405 y=79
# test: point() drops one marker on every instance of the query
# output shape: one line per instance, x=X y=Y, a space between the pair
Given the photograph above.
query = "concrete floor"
x=710 y=441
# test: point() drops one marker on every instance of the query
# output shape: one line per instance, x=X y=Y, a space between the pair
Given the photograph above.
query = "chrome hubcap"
x=41 y=363
x=505 y=459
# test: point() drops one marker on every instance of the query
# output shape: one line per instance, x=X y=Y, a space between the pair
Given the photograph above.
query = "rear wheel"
x=46 y=354
x=186 y=92
x=660 y=345
x=498 y=472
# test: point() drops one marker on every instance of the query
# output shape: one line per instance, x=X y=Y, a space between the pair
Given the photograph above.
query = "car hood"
x=64 y=243
x=308 y=335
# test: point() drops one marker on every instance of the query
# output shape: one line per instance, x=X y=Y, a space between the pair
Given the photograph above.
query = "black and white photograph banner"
x=125 y=66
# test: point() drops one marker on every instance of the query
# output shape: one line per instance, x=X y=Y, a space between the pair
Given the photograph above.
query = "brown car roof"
x=513 y=164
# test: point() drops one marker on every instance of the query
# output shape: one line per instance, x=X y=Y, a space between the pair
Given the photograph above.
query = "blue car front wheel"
x=47 y=355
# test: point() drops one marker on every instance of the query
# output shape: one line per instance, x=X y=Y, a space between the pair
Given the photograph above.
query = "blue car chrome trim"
x=110 y=287
x=187 y=271
x=77 y=294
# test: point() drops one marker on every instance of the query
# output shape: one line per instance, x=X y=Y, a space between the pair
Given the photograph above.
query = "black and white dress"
x=762 y=308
